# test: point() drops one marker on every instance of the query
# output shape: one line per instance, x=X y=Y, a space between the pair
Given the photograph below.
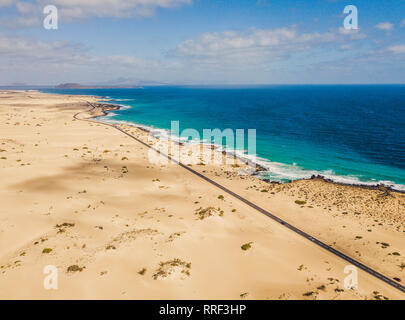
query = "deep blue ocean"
x=349 y=133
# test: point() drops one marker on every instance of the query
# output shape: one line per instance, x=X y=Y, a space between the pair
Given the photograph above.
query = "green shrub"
x=246 y=246
x=74 y=268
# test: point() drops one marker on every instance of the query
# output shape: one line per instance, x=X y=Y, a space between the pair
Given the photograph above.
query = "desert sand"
x=84 y=197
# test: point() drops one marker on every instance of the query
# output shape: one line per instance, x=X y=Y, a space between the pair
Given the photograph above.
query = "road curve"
x=345 y=257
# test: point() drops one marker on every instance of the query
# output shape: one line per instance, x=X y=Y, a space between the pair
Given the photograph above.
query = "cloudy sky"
x=202 y=42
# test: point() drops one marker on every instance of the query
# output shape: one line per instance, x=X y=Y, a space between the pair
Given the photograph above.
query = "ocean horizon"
x=353 y=134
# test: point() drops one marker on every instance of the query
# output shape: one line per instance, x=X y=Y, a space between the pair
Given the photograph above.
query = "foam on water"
x=274 y=171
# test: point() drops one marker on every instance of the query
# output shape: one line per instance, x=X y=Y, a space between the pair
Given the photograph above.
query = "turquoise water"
x=351 y=134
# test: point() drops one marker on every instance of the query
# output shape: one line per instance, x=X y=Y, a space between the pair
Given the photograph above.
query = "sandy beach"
x=84 y=197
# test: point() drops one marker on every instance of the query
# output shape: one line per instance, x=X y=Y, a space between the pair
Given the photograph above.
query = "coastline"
x=109 y=107
x=144 y=201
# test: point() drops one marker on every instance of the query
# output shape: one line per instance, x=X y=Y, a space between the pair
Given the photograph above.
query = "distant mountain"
x=79 y=86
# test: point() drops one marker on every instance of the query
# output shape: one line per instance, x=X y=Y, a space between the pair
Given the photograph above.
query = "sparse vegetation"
x=47 y=250
x=246 y=246
x=65 y=225
x=142 y=272
x=167 y=268
x=205 y=213
x=300 y=202
x=384 y=245
x=75 y=268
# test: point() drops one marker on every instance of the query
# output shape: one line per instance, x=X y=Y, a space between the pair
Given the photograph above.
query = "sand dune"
x=83 y=197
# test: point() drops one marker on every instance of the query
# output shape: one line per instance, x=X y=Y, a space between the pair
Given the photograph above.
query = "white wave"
x=123 y=106
x=110 y=114
x=282 y=172
x=274 y=171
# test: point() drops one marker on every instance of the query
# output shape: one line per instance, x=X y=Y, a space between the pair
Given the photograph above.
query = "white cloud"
x=80 y=9
x=386 y=26
x=354 y=34
x=256 y=46
x=250 y=56
x=112 y=8
x=398 y=49
x=212 y=44
x=20 y=21
x=30 y=13
x=27 y=7
x=25 y=60
x=4 y=3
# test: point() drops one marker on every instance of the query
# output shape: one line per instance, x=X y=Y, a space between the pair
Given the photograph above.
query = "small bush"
x=300 y=202
x=74 y=268
x=246 y=246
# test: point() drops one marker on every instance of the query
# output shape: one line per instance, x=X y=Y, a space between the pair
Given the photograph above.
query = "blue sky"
x=202 y=42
